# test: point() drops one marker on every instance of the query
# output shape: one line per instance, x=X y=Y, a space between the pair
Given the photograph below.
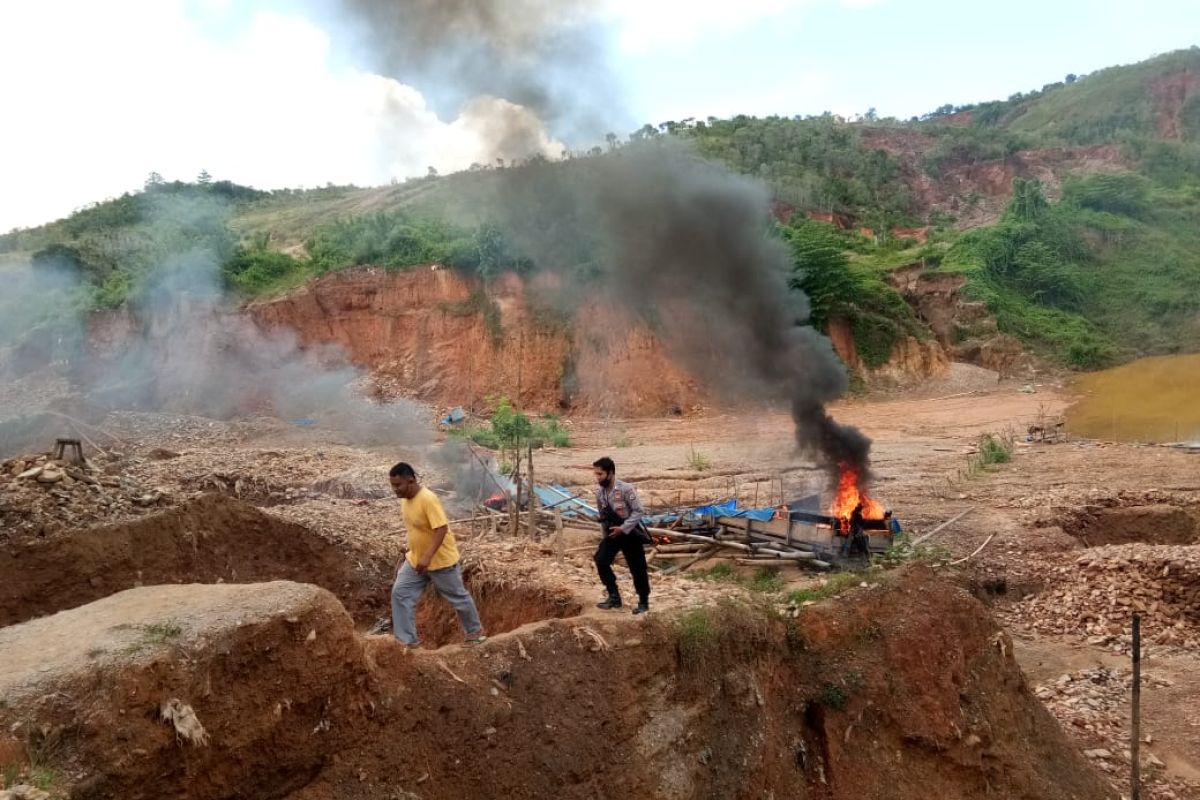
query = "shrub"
x=257 y=271
x=994 y=450
x=697 y=461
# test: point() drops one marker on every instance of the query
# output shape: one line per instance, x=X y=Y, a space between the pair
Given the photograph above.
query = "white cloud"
x=132 y=87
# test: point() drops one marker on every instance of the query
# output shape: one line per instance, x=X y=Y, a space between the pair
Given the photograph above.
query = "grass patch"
x=697 y=637
x=43 y=778
x=765 y=580
x=993 y=450
x=834 y=585
x=622 y=441
x=722 y=572
x=903 y=552
x=153 y=635
x=161 y=632
x=697 y=461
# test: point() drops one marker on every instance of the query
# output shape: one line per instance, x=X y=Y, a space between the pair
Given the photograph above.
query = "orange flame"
x=851 y=492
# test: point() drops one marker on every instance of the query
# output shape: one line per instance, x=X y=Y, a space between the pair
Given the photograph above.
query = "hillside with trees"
x=1072 y=211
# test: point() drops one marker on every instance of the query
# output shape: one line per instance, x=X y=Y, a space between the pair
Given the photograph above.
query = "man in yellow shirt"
x=432 y=558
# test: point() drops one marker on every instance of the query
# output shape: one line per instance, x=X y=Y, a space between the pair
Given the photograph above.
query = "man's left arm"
x=636 y=512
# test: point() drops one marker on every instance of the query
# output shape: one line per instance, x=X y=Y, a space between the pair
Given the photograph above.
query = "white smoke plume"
x=179 y=346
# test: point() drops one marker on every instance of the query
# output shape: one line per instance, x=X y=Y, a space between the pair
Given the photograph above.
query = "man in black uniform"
x=620 y=521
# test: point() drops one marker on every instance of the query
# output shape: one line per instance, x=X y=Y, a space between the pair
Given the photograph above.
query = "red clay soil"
x=906 y=691
x=502 y=607
x=212 y=538
x=425 y=332
x=988 y=182
x=1171 y=93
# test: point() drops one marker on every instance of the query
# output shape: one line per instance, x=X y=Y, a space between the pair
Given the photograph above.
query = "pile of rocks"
x=1091 y=706
x=41 y=496
x=1088 y=704
x=1098 y=594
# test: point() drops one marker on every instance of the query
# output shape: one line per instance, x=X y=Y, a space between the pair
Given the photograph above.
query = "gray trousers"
x=409 y=587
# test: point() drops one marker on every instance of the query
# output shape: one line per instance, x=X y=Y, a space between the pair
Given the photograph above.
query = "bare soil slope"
x=905 y=690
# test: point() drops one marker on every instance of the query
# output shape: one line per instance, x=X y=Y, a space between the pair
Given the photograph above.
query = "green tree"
x=821 y=270
x=204 y=179
x=1028 y=202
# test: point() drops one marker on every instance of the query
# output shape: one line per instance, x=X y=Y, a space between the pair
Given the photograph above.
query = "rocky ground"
x=1065 y=598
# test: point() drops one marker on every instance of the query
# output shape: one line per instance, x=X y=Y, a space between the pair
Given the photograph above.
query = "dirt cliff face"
x=975 y=193
x=1171 y=93
x=434 y=335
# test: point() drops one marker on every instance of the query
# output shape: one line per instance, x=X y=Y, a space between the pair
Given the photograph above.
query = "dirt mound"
x=903 y=691
x=259 y=677
x=212 y=538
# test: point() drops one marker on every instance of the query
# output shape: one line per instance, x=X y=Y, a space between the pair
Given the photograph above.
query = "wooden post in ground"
x=533 y=499
x=558 y=532
x=1135 y=734
x=514 y=510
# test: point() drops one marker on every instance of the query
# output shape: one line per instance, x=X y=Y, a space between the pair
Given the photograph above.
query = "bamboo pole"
x=941 y=527
x=767 y=558
x=702 y=539
x=975 y=553
x=707 y=552
x=758 y=562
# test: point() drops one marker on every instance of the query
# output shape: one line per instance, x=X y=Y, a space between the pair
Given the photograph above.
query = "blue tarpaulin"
x=572 y=505
x=456 y=415
x=757 y=514
x=560 y=497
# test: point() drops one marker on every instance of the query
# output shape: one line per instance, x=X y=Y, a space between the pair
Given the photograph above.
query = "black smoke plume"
x=685 y=246
x=550 y=56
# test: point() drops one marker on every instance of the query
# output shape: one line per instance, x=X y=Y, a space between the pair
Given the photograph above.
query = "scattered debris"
x=24 y=791
x=597 y=643
x=183 y=718
x=449 y=671
x=43 y=497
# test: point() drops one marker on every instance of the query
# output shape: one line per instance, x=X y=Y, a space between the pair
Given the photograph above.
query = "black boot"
x=642 y=607
x=612 y=601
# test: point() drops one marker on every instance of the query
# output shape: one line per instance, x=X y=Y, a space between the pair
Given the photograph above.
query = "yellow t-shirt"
x=421 y=515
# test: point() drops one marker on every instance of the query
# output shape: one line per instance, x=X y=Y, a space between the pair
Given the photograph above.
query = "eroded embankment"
x=905 y=690
x=207 y=540
x=218 y=539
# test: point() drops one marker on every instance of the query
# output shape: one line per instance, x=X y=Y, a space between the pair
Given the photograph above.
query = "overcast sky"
x=97 y=95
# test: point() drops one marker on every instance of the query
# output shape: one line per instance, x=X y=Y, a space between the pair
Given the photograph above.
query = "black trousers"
x=634 y=551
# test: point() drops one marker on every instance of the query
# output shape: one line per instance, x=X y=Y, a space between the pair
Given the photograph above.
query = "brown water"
x=1151 y=400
